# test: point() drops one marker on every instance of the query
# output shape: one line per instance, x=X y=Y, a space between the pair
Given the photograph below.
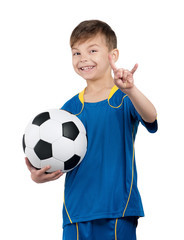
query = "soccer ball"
x=56 y=138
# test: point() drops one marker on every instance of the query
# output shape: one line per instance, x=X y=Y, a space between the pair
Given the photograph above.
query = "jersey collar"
x=112 y=92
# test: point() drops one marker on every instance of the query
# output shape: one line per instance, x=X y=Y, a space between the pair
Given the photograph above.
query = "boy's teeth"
x=86 y=68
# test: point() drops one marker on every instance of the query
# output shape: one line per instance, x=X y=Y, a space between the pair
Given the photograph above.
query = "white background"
x=36 y=74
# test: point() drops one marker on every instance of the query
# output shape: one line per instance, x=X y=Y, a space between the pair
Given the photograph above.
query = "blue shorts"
x=102 y=229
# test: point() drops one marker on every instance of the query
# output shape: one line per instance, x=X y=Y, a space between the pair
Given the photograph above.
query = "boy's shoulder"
x=73 y=105
x=116 y=98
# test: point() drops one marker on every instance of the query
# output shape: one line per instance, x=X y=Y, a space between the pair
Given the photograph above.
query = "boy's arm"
x=125 y=82
x=143 y=106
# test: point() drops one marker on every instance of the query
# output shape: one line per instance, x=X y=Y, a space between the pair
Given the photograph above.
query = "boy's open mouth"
x=86 y=68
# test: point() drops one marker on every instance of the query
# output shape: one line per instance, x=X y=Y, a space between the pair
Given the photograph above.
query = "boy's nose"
x=83 y=58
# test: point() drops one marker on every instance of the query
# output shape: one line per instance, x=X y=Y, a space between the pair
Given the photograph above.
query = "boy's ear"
x=115 y=54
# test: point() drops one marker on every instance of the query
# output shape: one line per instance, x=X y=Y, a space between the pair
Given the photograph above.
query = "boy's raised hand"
x=123 y=78
x=40 y=176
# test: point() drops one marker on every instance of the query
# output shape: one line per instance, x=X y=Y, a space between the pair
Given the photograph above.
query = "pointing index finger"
x=112 y=63
x=134 y=68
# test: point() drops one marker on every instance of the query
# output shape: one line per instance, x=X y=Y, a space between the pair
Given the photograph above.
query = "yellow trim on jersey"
x=120 y=103
x=67 y=211
x=116 y=228
x=77 y=227
x=80 y=111
x=132 y=174
x=113 y=90
x=81 y=96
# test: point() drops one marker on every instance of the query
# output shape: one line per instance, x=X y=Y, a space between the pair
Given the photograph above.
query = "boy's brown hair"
x=88 y=29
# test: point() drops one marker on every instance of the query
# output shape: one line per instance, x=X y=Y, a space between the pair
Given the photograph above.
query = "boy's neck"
x=98 y=90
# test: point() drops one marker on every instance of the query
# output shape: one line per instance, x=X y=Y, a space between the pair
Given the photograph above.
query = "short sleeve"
x=151 y=127
x=73 y=106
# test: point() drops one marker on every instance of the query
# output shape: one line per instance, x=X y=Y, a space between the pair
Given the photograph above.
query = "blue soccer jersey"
x=104 y=185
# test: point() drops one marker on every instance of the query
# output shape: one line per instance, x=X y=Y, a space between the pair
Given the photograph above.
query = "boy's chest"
x=101 y=118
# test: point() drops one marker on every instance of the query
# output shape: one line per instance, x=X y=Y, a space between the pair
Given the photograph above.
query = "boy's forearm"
x=143 y=106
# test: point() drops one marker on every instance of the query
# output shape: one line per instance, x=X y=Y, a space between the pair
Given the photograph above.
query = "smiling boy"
x=101 y=199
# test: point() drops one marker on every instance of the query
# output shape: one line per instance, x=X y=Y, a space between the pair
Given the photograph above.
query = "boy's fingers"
x=55 y=175
x=43 y=170
x=112 y=63
x=58 y=176
x=134 y=68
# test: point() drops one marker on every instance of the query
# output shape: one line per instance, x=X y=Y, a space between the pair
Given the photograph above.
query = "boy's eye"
x=76 y=54
x=93 y=51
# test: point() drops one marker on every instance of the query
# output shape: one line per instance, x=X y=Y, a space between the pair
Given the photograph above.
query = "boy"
x=101 y=200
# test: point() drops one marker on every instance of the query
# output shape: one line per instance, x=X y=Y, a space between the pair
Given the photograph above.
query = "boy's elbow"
x=152 y=117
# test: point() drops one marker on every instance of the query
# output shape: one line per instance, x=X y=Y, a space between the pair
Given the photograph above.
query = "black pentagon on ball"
x=41 y=118
x=72 y=162
x=23 y=143
x=43 y=150
x=70 y=130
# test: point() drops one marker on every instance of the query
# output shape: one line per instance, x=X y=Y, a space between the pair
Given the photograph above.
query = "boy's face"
x=90 y=58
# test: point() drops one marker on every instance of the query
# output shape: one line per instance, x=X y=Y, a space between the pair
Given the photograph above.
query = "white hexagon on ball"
x=63 y=149
x=50 y=130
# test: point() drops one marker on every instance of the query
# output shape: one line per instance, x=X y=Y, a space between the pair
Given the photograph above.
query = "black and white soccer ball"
x=56 y=138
